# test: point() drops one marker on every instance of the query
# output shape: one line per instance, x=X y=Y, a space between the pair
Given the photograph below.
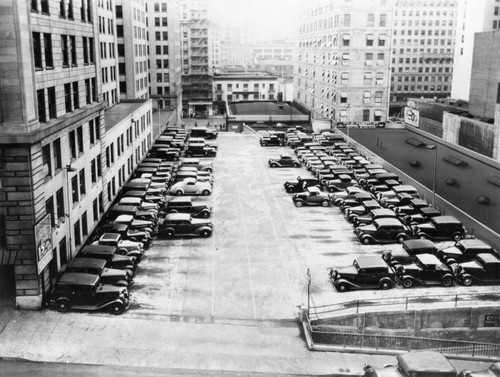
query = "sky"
x=276 y=17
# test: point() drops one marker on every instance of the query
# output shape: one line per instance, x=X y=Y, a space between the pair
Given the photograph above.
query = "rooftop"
x=120 y=111
x=263 y=108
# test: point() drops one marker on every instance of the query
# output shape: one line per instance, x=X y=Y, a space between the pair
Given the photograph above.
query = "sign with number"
x=43 y=239
x=492 y=320
x=412 y=117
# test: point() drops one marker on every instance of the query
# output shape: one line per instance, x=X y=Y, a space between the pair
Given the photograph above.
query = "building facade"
x=423 y=41
x=343 y=60
x=165 y=54
x=472 y=17
x=57 y=152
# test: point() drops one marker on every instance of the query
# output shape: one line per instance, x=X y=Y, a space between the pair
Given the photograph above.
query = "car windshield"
x=356 y=265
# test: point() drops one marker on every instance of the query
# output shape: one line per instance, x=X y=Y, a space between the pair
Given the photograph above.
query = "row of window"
x=245 y=86
x=161 y=35
x=427 y=62
x=431 y=13
x=162 y=64
x=333 y=22
x=426 y=23
x=422 y=42
x=423 y=32
x=421 y=78
x=64 y=9
x=420 y=88
x=157 y=7
x=47 y=99
x=43 y=51
x=245 y=96
x=108 y=78
x=104 y=50
x=106 y=25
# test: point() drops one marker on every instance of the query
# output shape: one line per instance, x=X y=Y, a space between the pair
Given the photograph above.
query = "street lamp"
x=434 y=146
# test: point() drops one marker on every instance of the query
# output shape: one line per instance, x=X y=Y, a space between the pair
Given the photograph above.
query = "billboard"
x=412 y=117
x=43 y=242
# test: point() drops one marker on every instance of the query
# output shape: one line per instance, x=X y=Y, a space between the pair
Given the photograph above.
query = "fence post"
x=473 y=349
x=456 y=301
x=406 y=308
x=308 y=291
x=357 y=307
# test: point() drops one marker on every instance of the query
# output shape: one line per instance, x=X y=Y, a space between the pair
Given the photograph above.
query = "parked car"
x=484 y=269
x=110 y=255
x=351 y=213
x=201 y=165
x=143 y=237
x=374 y=214
x=409 y=250
x=200 y=151
x=191 y=186
x=124 y=247
x=182 y=224
x=284 y=161
x=492 y=371
x=168 y=154
x=366 y=272
x=426 y=269
x=85 y=292
x=138 y=202
x=209 y=133
x=421 y=215
x=184 y=174
x=96 y=266
x=465 y=251
x=146 y=226
x=312 y=196
x=300 y=184
x=271 y=141
x=440 y=228
x=185 y=205
x=383 y=231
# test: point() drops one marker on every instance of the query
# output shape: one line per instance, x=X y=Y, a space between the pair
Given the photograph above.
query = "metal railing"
x=319 y=339
x=401 y=303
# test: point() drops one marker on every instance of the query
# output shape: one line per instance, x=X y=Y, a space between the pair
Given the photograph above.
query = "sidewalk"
x=160 y=343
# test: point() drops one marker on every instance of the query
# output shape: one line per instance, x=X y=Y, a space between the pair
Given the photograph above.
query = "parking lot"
x=254 y=266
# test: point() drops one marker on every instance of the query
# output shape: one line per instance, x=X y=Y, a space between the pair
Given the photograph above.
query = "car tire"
x=384 y=285
x=422 y=236
x=342 y=287
x=401 y=239
x=457 y=237
x=169 y=233
x=205 y=192
x=122 y=251
x=290 y=190
x=205 y=214
x=117 y=308
x=299 y=203
x=273 y=165
x=467 y=281
x=325 y=203
x=447 y=281
x=121 y=283
x=407 y=283
x=205 y=233
x=295 y=165
x=366 y=241
x=178 y=193
x=63 y=305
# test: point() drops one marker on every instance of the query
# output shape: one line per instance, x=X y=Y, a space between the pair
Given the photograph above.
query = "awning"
x=367 y=94
x=346 y=36
x=369 y=36
x=368 y=75
x=343 y=94
x=345 y=56
x=199 y=103
x=345 y=75
x=378 y=113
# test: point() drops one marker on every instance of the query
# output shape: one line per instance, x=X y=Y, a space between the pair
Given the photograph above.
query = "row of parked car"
x=154 y=202
x=384 y=210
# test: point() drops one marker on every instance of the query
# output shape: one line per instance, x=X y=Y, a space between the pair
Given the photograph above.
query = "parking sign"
x=412 y=116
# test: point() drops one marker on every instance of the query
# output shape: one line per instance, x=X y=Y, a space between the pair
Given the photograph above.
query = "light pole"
x=434 y=146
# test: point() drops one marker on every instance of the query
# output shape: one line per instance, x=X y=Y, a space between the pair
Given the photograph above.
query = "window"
x=381 y=40
x=345 y=78
x=366 y=115
x=371 y=20
x=369 y=39
x=82 y=182
x=85 y=50
x=119 y=11
x=37 y=50
x=34 y=5
x=67 y=97
x=380 y=78
x=62 y=8
x=45 y=6
x=79 y=133
x=52 y=102
x=70 y=10
x=57 y=154
x=380 y=58
x=94 y=89
x=164 y=21
x=84 y=224
x=88 y=96
x=343 y=97
x=383 y=20
x=65 y=52
x=60 y=203
x=72 y=144
x=74 y=189
x=367 y=98
x=99 y=168
x=76 y=95
x=378 y=97
x=93 y=171
x=42 y=115
x=47 y=40
x=91 y=51
x=368 y=78
x=347 y=20
x=49 y=209
x=46 y=159
x=369 y=58
x=78 y=236
x=95 y=210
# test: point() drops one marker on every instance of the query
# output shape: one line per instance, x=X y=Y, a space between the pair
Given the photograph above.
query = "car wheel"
x=447 y=282
x=117 y=308
x=467 y=281
x=290 y=190
x=325 y=203
x=401 y=239
x=205 y=192
x=422 y=236
x=121 y=283
x=205 y=214
x=366 y=241
x=273 y=165
x=457 y=237
x=122 y=251
x=63 y=305
x=178 y=192
x=295 y=165
x=342 y=287
x=169 y=233
x=385 y=285
x=298 y=203
x=205 y=233
x=407 y=283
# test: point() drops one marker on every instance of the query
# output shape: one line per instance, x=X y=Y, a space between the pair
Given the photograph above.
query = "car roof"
x=79 y=278
x=123 y=208
x=382 y=211
x=285 y=155
x=87 y=263
x=177 y=216
x=191 y=160
x=124 y=218
x=180 y=199
x=445 y=220
x=429 y=259
x=105 y=249
x=431 y=362
x=473 y=243
x=388 y=222
x=488 y=258
x=429 y=210
x=373 y=261
x=419 y=244
x=110 y=237
x=401 y=188
x=187 y=180
x=313 y=189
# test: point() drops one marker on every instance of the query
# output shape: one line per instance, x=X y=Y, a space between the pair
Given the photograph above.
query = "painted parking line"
x=173 y=278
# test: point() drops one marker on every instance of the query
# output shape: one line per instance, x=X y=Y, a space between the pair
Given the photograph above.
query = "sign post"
x=308 y=291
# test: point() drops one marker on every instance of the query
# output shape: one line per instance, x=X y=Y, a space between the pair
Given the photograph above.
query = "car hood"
x=114 y=272
x=411 y=268
x=367 y=228
x=142 y=223
x=453 y=250
x=346 y=271
x=201 y=222
x=129 y=244
x=469 y=266
x=107 y=288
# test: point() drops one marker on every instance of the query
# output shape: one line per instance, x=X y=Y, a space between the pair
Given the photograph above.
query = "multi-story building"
x=133 y=57
x=106 y=21
x=423 y=42
x=165 y=54
x=56 y=149
x=472 y=17
x=343 y=60
x=243 y=86
x=276 y=58
x=196 y=58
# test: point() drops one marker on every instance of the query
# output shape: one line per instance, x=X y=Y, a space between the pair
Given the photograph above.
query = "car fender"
x=202 y=228
x=387 y=279
x=345 y=281
x=107 y=304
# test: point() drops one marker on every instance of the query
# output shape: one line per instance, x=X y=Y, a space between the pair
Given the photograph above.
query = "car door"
x=314 y=198
x=190 y=187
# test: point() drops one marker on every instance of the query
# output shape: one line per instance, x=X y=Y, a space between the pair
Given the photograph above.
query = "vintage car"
x=185 y=205
x=181 y=175
x=383 y=231
x=426 y=269
x=85 y=292
x=124 y=247
x=110 y=255
x=465 y=251
x=139 y=202
x=366 y=272
x=284 y=161
x=409 y=249
x=374 y=214
x=492 y=371
x=301 y=184
x=312 y=196
x=484 y=269
x=140 y=236
x=206 y=132
x=419 y=215
x=182 y=224
x=166 y=153
x=191 y=186
x=96 y=266
x=200 y=151
x=146 y=226
x=201 y=165
x=440 y=228
x=351 y=213
x=271 y=141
